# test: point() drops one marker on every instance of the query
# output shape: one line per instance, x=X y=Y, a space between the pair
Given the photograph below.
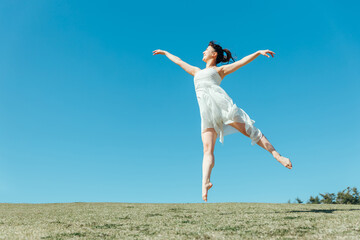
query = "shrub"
x=347 y=196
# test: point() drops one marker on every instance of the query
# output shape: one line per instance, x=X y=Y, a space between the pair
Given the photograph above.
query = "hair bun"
x=220 y=53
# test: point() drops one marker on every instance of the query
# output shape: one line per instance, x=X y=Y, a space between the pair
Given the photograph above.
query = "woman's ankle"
x=275 y=154
x=205 y=181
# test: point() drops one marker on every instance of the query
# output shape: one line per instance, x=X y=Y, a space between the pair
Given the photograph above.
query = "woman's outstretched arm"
x=187 y=67
x=229 y=68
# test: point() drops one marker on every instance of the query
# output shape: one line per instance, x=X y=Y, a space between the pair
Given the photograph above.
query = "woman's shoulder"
x=196 y=70
x=219 y=69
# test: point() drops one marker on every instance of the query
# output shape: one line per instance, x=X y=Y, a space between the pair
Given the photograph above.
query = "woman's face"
x=209 y=53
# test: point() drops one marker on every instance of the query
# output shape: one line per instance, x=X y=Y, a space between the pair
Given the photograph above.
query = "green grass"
x=178 y=221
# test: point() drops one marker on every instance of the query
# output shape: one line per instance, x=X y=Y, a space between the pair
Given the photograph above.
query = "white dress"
x=217 y=108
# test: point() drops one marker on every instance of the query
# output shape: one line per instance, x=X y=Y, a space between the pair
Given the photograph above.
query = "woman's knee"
x=208 y=148
x=209 y=139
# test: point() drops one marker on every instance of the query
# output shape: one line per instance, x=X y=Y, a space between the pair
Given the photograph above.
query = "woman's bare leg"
x=264 y=143
x=209 y=139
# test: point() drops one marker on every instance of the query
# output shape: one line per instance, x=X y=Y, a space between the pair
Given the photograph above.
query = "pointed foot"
x=205 y=189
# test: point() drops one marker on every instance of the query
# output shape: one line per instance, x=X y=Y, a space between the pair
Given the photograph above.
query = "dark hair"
x=220 y=53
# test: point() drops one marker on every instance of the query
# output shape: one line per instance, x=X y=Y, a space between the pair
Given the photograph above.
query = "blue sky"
x=88 y=114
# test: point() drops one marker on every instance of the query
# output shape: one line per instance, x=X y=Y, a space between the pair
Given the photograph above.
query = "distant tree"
x=328 y=198
x=356 y=195
x=348 y=196
x=314 y=200
x=298 y=200
x=289 y=201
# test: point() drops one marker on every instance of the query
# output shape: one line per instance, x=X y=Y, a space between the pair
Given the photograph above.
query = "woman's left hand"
x=264 y=52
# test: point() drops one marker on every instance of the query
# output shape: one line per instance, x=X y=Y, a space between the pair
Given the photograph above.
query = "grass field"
x=178 y=221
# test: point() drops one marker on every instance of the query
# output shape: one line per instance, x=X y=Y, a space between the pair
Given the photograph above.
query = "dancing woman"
x=219 y=115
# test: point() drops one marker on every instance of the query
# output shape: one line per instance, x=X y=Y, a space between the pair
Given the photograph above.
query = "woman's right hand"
x=158 y=51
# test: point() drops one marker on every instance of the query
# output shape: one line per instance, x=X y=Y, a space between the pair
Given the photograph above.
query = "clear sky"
x=88 y=114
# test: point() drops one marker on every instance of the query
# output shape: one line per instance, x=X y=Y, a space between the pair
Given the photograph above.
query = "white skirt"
x=217 y=110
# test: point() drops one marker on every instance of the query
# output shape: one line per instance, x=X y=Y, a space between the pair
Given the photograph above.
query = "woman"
x=219 y=115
